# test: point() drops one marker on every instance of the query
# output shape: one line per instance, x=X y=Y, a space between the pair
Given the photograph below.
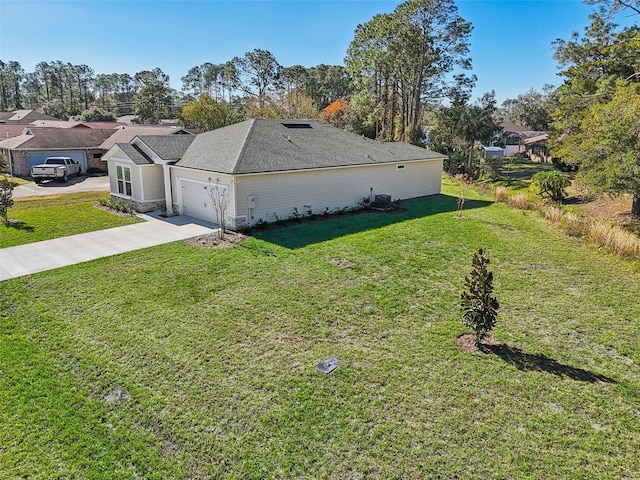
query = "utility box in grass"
x=382 y=201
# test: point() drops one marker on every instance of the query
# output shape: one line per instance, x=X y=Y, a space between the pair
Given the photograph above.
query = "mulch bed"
x=320 y=217
x=212 y=240
x=114 y=211
x=467 y=344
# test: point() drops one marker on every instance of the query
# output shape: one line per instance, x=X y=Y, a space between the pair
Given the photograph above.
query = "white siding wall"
x=334 y=187
x=152 y=182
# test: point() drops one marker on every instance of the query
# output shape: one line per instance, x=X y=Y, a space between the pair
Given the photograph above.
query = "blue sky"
x=510 y=45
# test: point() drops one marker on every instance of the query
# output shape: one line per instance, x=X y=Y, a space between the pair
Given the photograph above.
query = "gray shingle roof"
x=168 y=147
x=127 y=133
x=24 y=117
x=136 y=155
x=62 y=138
x=261 y=145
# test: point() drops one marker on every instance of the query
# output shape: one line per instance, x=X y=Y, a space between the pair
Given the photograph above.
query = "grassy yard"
x=18 y=181
x=517 y=176
x=217 y=348
x=43 y=218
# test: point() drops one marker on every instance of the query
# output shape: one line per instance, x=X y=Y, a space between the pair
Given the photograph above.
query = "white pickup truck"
x=55 y=168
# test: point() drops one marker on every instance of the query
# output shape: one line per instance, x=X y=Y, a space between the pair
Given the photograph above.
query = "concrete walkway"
x=60 y=252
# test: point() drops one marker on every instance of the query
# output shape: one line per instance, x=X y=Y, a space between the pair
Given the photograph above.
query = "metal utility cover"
x=328 y=365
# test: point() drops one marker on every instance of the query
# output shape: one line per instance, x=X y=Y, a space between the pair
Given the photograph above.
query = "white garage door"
x=195 y=200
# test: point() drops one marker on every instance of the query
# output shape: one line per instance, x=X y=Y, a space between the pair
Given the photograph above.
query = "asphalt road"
x=51 y=187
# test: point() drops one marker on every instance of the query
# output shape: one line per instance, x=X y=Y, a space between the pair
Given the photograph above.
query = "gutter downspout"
x=168 y=197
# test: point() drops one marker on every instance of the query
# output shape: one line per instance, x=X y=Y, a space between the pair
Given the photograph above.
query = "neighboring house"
x=10 y=131
x=24 y=117
x=269 y=168
x=536 y=148
x=36 y=144
x=28 y=145
x=77 y=124
x=513 y=137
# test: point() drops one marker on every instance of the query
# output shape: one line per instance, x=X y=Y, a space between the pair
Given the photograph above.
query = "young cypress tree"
x=479 y=308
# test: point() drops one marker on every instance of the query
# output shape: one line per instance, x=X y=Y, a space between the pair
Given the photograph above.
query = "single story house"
x=37 y=143
x=267 y=169
x=513 y=137
x=24 y=117
x=76 y=124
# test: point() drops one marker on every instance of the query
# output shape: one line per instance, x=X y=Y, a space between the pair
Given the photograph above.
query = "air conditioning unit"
x=382 y=201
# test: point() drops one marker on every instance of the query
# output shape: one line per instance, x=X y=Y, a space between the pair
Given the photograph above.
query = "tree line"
x=397 y=68
x=65 y=90
x=592 y=118
x=406 y=76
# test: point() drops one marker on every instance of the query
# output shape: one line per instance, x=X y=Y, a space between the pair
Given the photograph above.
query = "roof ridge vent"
x=296 y=125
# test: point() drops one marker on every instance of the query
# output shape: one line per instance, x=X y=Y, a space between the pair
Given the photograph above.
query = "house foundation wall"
x=140 y=206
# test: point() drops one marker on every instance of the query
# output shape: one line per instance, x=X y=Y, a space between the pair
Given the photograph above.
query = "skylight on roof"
x=297 y=125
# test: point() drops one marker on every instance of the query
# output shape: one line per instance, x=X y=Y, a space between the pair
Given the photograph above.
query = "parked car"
x=56 y=168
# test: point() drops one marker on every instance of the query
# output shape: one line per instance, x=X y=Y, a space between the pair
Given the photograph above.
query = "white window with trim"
x=123 y=176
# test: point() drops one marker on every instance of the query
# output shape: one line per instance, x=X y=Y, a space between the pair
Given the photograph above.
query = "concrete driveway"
x=60 y=252
x=75 y=184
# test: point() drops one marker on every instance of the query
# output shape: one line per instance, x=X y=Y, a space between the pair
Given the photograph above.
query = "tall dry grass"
x=553 y=214
x=521 y=201
x=609 y=237
x=501 y=194
x=615 y=240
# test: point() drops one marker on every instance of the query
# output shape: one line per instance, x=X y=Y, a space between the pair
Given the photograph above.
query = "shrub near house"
x=551 y=184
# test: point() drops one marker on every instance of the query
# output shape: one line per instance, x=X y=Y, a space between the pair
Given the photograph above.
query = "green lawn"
x=217 y=350
x=18 y=181
x=517 y=176
x=43 y=218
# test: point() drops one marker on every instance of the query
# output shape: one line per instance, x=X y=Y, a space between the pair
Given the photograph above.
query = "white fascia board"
x=396 y=162
x=115 y=150
x=319 y=169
